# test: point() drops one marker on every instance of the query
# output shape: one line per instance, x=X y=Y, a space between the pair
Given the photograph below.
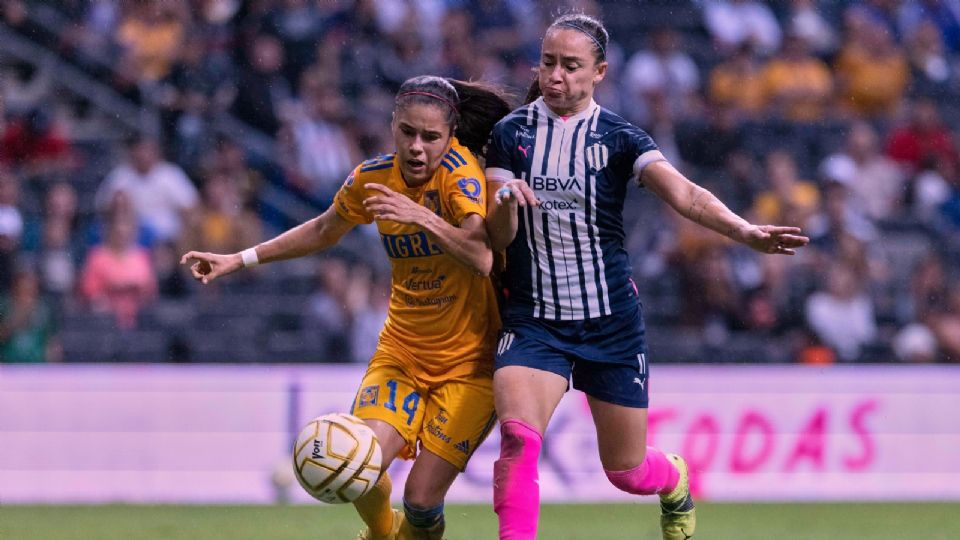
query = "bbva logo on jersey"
x=597 y=156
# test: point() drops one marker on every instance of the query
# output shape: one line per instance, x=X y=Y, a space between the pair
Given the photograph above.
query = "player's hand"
x=209 y=266
x=774 y=240
x=388 y=205
x=516 y=190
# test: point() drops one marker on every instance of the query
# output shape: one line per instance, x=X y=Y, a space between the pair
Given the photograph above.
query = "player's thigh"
x=429 y=480
x=458 y=416
x=527 y=394
x=389 y=401
x=621 y=434
x=531 y=376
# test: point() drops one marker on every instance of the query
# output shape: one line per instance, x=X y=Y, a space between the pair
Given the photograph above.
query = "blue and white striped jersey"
x=567 y=261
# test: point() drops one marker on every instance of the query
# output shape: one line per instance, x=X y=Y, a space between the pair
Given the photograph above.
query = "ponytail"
x=481 y=107
x=533 y=93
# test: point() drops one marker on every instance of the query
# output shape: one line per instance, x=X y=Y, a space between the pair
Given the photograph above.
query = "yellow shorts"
x=450 y=418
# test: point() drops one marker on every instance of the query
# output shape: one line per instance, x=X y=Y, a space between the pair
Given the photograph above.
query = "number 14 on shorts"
x=370 y=397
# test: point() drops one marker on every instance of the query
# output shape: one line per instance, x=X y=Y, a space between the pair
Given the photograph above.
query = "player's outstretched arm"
x=502 y=218
x=467 y=243
x=315 y=235
x=699 y=205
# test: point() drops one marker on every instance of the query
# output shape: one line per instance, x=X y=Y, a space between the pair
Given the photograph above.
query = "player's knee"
x=519 y=440
x=421 y=497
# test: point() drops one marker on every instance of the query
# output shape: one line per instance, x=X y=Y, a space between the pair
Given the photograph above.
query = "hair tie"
x=434 y=96
x=584 y=31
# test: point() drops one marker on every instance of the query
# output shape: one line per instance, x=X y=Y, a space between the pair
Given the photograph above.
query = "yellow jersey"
x=443 y=319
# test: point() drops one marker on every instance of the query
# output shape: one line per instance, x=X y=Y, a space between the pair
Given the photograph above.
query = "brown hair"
x=472 y=108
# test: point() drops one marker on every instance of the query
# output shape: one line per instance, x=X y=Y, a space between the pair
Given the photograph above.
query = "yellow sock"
x=374 y=507
x=409 y=532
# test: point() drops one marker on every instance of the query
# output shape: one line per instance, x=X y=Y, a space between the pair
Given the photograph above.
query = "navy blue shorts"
x=605 y=356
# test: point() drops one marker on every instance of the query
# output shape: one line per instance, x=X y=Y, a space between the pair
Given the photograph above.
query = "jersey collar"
x=587 y=112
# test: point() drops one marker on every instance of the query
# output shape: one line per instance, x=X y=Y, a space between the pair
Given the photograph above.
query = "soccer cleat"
x=365 y=534
x=678 y=517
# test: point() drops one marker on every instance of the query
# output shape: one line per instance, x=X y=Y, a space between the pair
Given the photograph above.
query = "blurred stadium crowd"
x=132 y=131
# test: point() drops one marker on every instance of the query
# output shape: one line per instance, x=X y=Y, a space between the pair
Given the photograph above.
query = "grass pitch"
x=929 y=521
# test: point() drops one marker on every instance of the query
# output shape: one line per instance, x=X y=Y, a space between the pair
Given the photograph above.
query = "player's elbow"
x=483 y=264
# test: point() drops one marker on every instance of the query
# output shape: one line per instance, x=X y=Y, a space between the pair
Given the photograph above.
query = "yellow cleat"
x=678 y=517
x=365 y=534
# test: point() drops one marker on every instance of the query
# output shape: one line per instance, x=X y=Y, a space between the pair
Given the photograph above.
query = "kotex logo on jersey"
x=471 y=188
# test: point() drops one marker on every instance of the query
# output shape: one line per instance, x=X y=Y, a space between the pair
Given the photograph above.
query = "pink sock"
x=656 y=475
x=516 y=493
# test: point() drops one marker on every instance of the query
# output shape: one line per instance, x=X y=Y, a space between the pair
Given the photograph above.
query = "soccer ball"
x=337 y=458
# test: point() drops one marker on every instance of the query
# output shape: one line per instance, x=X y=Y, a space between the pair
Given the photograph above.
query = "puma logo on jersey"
x=524 y=149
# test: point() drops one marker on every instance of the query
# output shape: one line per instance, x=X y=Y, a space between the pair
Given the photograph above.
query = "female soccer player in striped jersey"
x=429 y=385
x=559 y=168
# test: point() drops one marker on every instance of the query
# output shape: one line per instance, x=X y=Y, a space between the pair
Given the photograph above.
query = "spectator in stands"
x=841 y=314
x=53 y=242
x=805 y=18
x=327 y=311
x=932 y=69
x=225 y=223
x=499 y=28
x=162 y=195
x=404 y=55
x=732 y=23
x=318 y=151
x=263 y=92
x=230 y=160
x=876 y=182
x=27 y=325
x=943 y=14
x=663 y=75
x=931 y=301
x=24 y=86
x=198 y=86
x=796 y=85
x=369 y=299
x=737 y=84
x=298 y=24
x=924 y=140
x=946 y=325
x=712 y=297
x=151 y=34
x=872 y=73
x=118 y=276
x=712 y=144
x=35 y=146
x=838 y=216
x=790 y=199
x=11 y=227
x=916 y=344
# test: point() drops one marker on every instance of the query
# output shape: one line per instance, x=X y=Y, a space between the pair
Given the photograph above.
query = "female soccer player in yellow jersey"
x=430 y=380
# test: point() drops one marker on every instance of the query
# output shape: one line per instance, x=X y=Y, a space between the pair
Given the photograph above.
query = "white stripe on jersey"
x=595 y=230
x=583 y=229
x=525 y=214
